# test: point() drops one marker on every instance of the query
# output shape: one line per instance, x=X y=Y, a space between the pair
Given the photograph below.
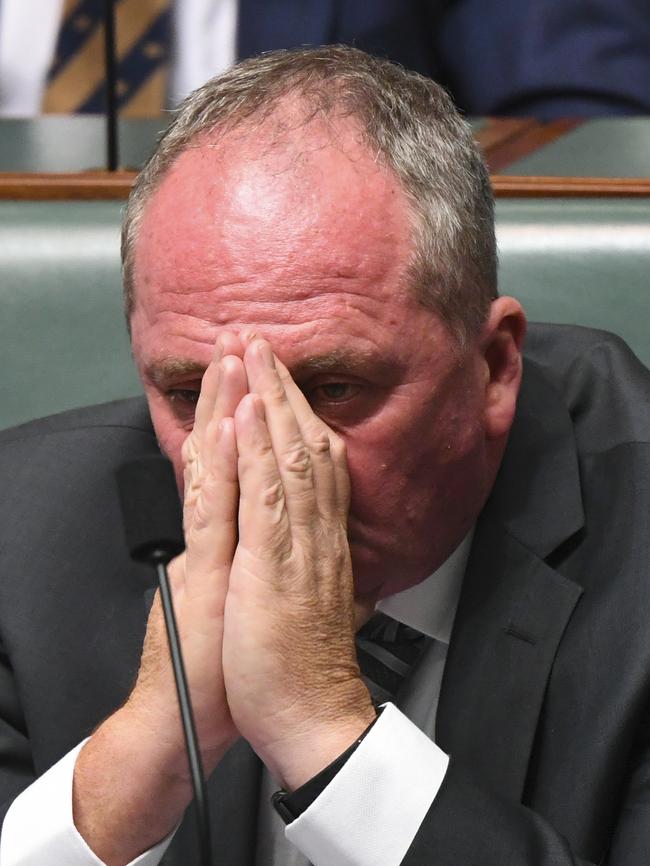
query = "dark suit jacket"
x=545 y=59
x=545 y=701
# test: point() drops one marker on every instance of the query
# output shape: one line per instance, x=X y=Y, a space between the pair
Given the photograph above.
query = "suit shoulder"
x=559 y=346
x=131 y=414
x=601 y=382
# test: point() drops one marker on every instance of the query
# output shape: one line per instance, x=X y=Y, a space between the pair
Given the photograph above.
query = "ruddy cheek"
x=170 y=439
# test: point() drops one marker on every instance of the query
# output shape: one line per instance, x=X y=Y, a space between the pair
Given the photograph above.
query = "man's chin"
x=379 y=574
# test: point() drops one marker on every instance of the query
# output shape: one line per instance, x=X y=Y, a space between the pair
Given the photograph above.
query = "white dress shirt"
x=205 y=33
x=367 y=816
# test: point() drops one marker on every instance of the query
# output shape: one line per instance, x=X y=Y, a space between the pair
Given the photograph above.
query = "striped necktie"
x=387 y=651
x=76 y=81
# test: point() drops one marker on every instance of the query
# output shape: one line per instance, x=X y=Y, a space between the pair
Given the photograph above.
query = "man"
x=309 y=271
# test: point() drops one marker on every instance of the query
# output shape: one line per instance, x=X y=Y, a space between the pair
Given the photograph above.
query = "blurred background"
x=536 y=58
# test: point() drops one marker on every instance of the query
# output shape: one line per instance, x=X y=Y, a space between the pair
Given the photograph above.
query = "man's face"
x=307 y=246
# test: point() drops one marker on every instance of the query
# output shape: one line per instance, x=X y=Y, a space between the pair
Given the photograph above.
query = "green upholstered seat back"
x=579 y=261
x=62 y=333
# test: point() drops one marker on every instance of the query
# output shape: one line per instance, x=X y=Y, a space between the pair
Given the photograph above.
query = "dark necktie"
x=387 y=651
x=76 y=81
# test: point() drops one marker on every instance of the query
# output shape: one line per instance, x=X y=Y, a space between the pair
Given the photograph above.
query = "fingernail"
x=247 y=337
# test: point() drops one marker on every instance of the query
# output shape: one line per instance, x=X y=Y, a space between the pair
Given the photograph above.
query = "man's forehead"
x=246 y=238
x=248 y=180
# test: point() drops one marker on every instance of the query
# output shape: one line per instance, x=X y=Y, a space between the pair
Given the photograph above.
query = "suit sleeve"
x=549 y=59
x=16 y=767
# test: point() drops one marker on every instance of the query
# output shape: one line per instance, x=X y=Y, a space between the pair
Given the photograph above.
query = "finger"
x=233 y=384
x=212 y=537
x=313 y=426
x=207 y=395
x=192 y=445
x=227 y=343
x=230 y=343
x=263 y=519
x=292 y=453
x=225 y=386
x=247 y=336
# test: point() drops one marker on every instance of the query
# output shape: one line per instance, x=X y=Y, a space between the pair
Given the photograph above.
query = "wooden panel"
x=499 y=134
x=514 y=186
x=85 y=185
x=528 y=142
x=104 y=186
x=506 y=185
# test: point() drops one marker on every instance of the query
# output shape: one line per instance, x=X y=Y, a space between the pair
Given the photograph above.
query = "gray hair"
x=411 y=125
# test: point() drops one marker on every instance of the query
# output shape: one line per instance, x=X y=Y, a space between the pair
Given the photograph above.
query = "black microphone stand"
x=112 y=146
x=185 y=705
x=152 y=522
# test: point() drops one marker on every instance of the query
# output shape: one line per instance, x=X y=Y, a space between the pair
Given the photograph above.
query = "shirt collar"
x=430 y=606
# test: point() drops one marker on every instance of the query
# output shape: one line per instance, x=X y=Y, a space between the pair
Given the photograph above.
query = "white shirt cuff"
x=38 y=828
x=370 y=812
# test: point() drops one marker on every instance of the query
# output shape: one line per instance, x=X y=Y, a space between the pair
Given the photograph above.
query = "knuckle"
x=297 y=459
x=188 y=449
x=201 y=519
x=319 y=441
x=273 y=495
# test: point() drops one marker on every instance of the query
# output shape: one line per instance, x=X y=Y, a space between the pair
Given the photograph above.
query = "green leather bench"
x=604 y=147
x=62 y=333
x=580 y=261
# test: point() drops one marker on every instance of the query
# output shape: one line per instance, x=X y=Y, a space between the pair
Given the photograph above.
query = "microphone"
x=152 y=518
x=151 y=509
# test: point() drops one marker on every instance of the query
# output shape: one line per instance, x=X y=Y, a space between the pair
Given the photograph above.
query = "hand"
x=291 y=675
x=200 y=575
x=131 y=782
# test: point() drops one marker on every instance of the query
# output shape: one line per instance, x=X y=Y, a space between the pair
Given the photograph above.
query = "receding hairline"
x=406 y=119
x=340 y=130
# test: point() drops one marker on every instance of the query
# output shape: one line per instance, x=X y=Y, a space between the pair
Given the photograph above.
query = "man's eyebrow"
x=339 y=360
x=164 y=370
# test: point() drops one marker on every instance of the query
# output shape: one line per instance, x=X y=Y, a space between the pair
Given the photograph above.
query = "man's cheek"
x=173 y=451
x=170 y=439
x=373 y=484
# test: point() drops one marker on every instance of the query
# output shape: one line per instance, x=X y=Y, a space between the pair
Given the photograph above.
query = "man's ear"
x=501 y=342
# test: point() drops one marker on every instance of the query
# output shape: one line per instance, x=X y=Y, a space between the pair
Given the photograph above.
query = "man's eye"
x=336 y=392
x=183 y=396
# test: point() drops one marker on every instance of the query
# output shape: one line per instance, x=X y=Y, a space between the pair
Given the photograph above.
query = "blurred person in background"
x=546 y=59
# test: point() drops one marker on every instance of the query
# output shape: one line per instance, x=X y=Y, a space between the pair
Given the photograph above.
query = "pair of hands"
x=263 y=592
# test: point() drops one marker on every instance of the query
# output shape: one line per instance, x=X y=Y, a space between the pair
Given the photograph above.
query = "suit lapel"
x=514 y=606
x=269 y=24
x=511 y=617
